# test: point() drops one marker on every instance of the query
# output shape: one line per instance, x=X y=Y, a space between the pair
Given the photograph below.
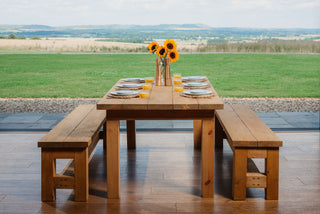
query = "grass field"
x=232 y=75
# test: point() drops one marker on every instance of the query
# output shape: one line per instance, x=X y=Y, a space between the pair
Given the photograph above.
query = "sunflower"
x=170 y=44
x=173 y=55
x=162 y=51
x=153 y=47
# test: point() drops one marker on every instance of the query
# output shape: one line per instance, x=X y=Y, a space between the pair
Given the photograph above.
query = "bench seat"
x=75 y=137
x=249 y=137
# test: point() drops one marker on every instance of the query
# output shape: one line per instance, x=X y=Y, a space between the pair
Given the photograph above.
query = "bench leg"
x=207 y=153
x=81 y=175
x=48 y=171
x=197 y=128
x=50 y=181
x=239 y=180
x=272 y=171
x=113 y=159
x=131 y=134
x=218 y=134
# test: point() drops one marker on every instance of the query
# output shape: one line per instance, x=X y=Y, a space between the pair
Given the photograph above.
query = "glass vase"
x=163 y=71
x=163 y=75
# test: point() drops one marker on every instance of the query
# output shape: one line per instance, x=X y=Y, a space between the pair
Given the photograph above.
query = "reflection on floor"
x=161 y=176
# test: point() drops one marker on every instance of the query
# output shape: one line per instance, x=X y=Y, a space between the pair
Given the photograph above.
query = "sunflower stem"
x=163 y=69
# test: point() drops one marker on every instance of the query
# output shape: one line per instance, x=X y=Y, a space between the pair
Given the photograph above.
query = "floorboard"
x=161 y=176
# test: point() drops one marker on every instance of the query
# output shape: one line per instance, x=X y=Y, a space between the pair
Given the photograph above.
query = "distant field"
x=232 y=75
x=96 y=45
x=68 y=45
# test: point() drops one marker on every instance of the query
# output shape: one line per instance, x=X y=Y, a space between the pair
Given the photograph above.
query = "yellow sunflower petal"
x=153 y=47
x=162 y=51
x=170 y=44
x=173 y=56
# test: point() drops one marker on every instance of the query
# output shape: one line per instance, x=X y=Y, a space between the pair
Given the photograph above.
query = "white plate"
x=190 y=78
x=124 y=93
x=129 y=85
x=133 y=80
x=198 y=92
x=195 y=84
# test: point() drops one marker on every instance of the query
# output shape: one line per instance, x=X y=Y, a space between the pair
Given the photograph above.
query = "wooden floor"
x=161 y=176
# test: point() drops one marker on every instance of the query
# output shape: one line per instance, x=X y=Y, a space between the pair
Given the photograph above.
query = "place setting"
x=133 y=80
x=198 y=93
x=124 y=94
x=194 y=79
x=129 y=86
x=132 y=88
x=195 y=85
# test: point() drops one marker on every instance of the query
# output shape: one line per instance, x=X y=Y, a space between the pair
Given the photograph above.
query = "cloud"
x=308 y=4
x=251 y=4
x=222 y=13
x=274 y=4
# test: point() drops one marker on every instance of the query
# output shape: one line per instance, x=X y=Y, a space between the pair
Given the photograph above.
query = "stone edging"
x=66 y=105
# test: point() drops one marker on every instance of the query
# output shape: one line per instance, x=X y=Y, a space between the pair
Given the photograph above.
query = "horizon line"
x=205 y=25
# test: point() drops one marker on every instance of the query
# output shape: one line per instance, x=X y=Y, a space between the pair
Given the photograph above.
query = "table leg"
x=197 y=127
x=113 y=159
x=131 y=134
x=207 y=151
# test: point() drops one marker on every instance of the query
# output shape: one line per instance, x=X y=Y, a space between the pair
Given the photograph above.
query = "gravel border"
x=66 y=105
x=278 y=104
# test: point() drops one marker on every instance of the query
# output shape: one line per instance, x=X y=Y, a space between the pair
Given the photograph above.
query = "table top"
x=161 y=98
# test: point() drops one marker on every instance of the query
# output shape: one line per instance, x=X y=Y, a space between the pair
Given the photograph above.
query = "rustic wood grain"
x=86 y=131
x=75 y=137
x=48 y=169
x=162 y=104
x=61 y=131
x=238 y=121
x=239 y=179
x=81 y=181
x=184 y=103
x=161 y=98
x=113 y=159
x=256 y=180
x=272 y=171
x=207 y=148
x=197 y=132
x=214 y=102
x=234 y=128
x=167 y=77
x=162 y=176
x=157 y=78
x=63 y=182
x=264 y=135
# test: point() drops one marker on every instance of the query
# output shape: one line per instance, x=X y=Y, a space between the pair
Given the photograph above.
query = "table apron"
x=159 y=114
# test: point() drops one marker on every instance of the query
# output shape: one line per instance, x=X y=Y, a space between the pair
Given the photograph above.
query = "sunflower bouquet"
x=169 y=49
x=166 y=52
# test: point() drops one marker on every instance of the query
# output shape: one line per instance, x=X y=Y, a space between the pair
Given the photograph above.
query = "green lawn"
x=232 y=75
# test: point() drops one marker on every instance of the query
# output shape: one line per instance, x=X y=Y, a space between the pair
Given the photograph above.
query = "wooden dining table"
x=163 y=103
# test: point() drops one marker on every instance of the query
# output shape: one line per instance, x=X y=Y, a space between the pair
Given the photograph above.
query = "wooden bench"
x=249 y=137
x=75 y=137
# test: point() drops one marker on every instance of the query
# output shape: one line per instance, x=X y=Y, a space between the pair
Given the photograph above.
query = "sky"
x=215 y=13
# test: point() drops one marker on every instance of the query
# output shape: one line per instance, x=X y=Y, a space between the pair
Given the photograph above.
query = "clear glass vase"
x=163 y=70
x=163 y=75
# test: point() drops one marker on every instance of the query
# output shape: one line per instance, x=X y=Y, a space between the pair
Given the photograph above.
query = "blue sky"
x=215 y=13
